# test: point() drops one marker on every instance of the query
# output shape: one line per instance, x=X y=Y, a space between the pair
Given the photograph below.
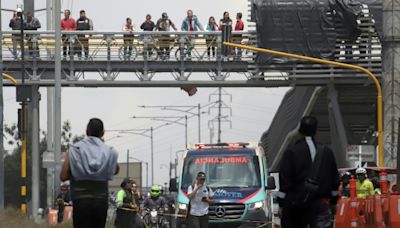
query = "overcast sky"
x=252 y=108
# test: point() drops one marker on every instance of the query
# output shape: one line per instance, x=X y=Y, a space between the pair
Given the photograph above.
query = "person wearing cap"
x=308 y=180
x=165 y=24
x=200 y=196
x=364 y=186
x=126 y=206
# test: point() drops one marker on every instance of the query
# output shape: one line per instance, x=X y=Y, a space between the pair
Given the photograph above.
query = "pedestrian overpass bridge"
x=343 y=100
x=147 y=67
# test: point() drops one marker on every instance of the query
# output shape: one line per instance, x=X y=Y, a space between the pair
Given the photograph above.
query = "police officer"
x=307 y=189
x=83 y=23
x=126 y=206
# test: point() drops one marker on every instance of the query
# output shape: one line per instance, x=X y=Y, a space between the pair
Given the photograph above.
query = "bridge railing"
x=125 y=46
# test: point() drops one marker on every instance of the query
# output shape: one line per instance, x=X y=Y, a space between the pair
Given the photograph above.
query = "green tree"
x=12 y=164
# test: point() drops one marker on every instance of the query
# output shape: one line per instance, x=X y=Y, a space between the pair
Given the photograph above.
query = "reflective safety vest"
x=364 y=189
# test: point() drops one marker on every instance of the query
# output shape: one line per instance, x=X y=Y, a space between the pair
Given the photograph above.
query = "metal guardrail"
x=179 y=54
x=124 y=46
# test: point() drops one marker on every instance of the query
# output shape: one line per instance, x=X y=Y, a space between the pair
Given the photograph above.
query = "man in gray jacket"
x=89 y=165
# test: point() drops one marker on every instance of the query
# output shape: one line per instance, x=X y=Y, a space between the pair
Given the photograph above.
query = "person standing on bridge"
x=164 y=24
x=67 y=24
x=191 y=23
x=309 y=181
x=32 y=23
x=129 y=28
x=237 y=38
x=148 y=25
x=15 y=25
x=211 y=40
x=225 y=26
x=89 y=165
x=83 y=24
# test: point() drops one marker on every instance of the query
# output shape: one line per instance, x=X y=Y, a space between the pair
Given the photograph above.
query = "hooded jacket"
x=92 y=165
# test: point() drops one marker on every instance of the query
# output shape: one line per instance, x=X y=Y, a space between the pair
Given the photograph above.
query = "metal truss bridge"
x=190 y=61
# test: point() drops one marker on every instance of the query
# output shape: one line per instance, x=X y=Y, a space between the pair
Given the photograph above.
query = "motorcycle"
x=155 y=218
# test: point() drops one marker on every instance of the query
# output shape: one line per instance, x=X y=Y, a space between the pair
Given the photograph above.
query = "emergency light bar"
x=230 y=145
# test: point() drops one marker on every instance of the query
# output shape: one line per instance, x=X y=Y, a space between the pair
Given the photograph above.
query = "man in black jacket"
x=306 y=192
x=83 y=24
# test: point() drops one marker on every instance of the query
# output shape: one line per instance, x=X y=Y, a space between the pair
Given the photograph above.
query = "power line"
x=220 y=105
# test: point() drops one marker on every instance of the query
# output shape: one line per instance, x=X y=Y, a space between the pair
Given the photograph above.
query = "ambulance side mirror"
x=270 y=185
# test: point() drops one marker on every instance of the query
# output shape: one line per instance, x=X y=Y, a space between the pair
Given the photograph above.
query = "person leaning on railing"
x=15 y=25
x=128 y=27
x=67 y=24
x=211 y=39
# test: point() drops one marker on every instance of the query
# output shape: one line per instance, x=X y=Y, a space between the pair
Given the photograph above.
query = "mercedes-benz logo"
x=220 y=211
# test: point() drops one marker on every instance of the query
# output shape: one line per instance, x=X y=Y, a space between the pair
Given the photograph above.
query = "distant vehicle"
x=238 y=175
x=154 y=218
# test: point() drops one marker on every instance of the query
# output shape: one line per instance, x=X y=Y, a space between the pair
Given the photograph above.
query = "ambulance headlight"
x=257 y=205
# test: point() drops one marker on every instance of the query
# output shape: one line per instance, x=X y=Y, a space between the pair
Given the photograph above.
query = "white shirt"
x=197 y=206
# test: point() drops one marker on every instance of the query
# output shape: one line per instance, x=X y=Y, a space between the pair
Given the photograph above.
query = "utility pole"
x=2 y=173
x=391 y=78
x=50 y=118
x=23 y=96
x=152 y=155
x=142 y=132
x=168 y=120
x=147 y=169
x=127 y=163
x=182 y=108
x=220 y=105
x=57 y=94
x=219 y=113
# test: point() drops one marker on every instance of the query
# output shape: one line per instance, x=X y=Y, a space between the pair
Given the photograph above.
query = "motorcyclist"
x=154 y=201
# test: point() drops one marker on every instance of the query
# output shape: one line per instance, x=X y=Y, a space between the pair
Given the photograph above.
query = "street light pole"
x=186 y=131
x=151 y=137
x=152 y=155
x=182 y=108
x=166 y=119
x=147 y=169
x=127 y=163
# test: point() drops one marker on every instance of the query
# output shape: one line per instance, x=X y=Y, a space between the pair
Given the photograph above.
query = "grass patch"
x=12 y=218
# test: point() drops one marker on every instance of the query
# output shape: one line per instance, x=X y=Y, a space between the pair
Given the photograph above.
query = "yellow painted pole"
x=337 y=64
x=23 y=157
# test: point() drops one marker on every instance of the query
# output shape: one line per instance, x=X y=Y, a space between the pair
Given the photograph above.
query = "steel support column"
x=391 y=78
x=1 y=119
x=35 y=141
x=337 y=129
x=57 y=95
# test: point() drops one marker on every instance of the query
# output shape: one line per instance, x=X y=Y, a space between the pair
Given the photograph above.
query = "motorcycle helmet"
x=155 y=191
x=361 y=171
x=164 y=15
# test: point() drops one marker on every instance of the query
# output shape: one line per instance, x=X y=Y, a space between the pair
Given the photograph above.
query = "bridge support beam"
x=337 y=129
x=391 y=78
